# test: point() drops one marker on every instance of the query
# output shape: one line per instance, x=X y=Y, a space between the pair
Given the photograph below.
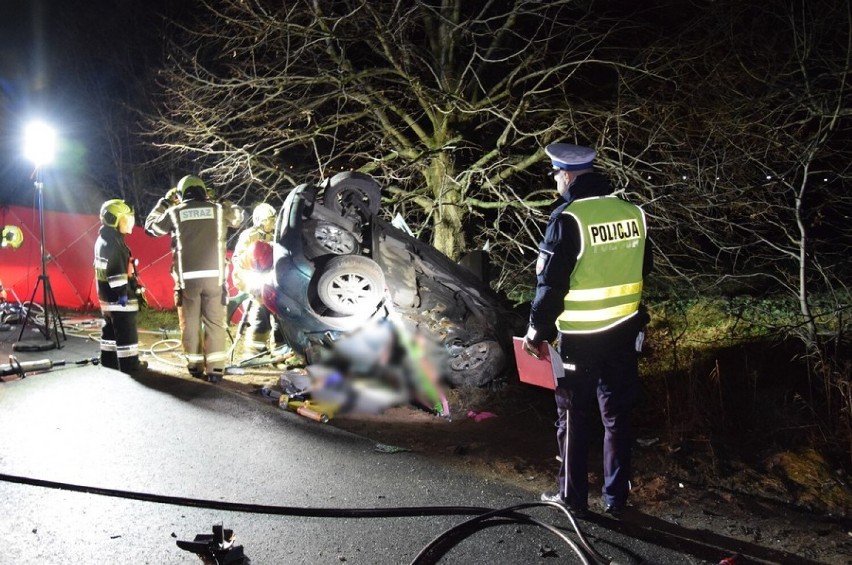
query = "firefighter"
x=117 y=289
x=590 y=273
x=246 y=265
x=198 y=227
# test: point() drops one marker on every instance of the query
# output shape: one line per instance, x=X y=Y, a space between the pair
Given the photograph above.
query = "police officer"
x=245 y=262
x=198 y=227
x=590 y=273
x=117 y=289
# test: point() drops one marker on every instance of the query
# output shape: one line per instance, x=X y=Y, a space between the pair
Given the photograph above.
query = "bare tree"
x=754 y=153
x=778 y=154
x=448 y=102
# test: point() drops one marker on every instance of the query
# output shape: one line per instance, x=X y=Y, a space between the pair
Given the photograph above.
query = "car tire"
x=351 y=285
x=355 y=188
x=476 y=365
x=322 y=238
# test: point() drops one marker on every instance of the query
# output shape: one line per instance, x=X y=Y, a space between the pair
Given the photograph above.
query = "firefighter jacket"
x=114 y=272
x=241 y=260
x=591 y=264
x=198 y=229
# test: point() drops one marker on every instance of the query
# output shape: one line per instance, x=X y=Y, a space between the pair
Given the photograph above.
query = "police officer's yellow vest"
x=606 y=284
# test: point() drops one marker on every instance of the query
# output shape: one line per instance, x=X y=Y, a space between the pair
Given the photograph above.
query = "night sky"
x=62 y=61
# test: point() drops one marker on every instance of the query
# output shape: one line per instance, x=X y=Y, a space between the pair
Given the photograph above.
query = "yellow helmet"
x=12 y=237
x=190 y=181
x=113 y=210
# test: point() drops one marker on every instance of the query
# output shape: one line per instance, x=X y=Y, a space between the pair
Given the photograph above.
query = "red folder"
x=541 y=372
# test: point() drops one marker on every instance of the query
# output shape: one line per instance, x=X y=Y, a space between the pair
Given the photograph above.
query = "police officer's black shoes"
x=614 y=510
x=215 y=376
x=576 y=510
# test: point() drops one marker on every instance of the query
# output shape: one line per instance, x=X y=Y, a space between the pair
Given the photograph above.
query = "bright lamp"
x=39 y=143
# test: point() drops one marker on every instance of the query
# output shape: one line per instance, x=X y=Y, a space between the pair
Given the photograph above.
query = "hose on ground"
x=427 y=556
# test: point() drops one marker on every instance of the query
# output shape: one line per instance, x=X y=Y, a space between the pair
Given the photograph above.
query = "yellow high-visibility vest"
x=606 y=283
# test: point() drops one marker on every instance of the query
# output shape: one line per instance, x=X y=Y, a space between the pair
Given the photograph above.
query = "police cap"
x=570 y=157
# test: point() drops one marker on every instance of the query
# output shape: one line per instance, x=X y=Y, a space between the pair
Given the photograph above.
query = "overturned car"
x=339 y=267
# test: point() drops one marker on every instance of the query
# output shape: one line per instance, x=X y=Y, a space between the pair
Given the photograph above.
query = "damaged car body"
x=338 y=267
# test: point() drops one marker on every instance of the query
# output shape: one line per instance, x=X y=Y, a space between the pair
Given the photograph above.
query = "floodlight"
x=39 y=148
x=39 y=143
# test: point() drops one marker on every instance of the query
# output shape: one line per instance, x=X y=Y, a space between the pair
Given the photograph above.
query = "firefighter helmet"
x=113 y=210
x=187 y=183
x=12 y=237
x=261 y=213
x=260 y=256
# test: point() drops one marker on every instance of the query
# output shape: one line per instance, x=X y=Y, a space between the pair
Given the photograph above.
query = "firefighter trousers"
x=260 y=326
x=120 y=342
x=202 y=325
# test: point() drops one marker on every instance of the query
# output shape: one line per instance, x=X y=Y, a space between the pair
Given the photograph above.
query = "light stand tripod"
x=51 y=311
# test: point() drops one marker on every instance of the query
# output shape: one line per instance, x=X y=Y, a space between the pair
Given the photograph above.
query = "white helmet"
x=261 y=213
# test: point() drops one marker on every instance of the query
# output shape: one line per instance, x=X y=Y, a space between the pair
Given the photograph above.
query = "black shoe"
x=214 y=377
x=614 y=510
x=139 y=369
x=576 y=510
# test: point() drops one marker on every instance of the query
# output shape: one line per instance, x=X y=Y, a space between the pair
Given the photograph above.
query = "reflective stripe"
x=131 y=350
x=177 y=252
x=194 y=358
x=108 y=345
x=157 y=230
x=600 y=314
x=217 y=356
x=132 y=306
x=118 y=280
x=604 y=293
x=209 y=273
x=221 y=232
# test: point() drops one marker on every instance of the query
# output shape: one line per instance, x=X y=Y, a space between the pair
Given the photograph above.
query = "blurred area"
x=375 y=367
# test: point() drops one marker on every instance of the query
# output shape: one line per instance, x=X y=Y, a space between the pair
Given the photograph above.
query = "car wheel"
x=352 y=189
x=476 y=365
x=351 y=285
x=324 y=238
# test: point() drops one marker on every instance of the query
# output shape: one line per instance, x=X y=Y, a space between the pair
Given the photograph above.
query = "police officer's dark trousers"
x=610 y=375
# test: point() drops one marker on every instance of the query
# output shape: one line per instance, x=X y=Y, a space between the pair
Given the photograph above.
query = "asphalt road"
x=167 y=436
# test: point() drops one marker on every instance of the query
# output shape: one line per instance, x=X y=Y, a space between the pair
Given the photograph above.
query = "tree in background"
x=449 y=103
x=722 y=122
x=751 y=199
x=771 y=111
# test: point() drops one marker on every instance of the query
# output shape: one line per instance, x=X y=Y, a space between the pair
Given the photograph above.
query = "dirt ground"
x=789 y=507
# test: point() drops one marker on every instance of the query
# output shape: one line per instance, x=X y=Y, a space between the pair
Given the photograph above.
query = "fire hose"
x=217 y=552
x=21 y=368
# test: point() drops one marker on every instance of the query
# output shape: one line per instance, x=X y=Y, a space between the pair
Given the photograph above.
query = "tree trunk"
x=448 y=212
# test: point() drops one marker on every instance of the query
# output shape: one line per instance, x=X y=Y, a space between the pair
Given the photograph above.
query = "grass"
x=152 y=319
